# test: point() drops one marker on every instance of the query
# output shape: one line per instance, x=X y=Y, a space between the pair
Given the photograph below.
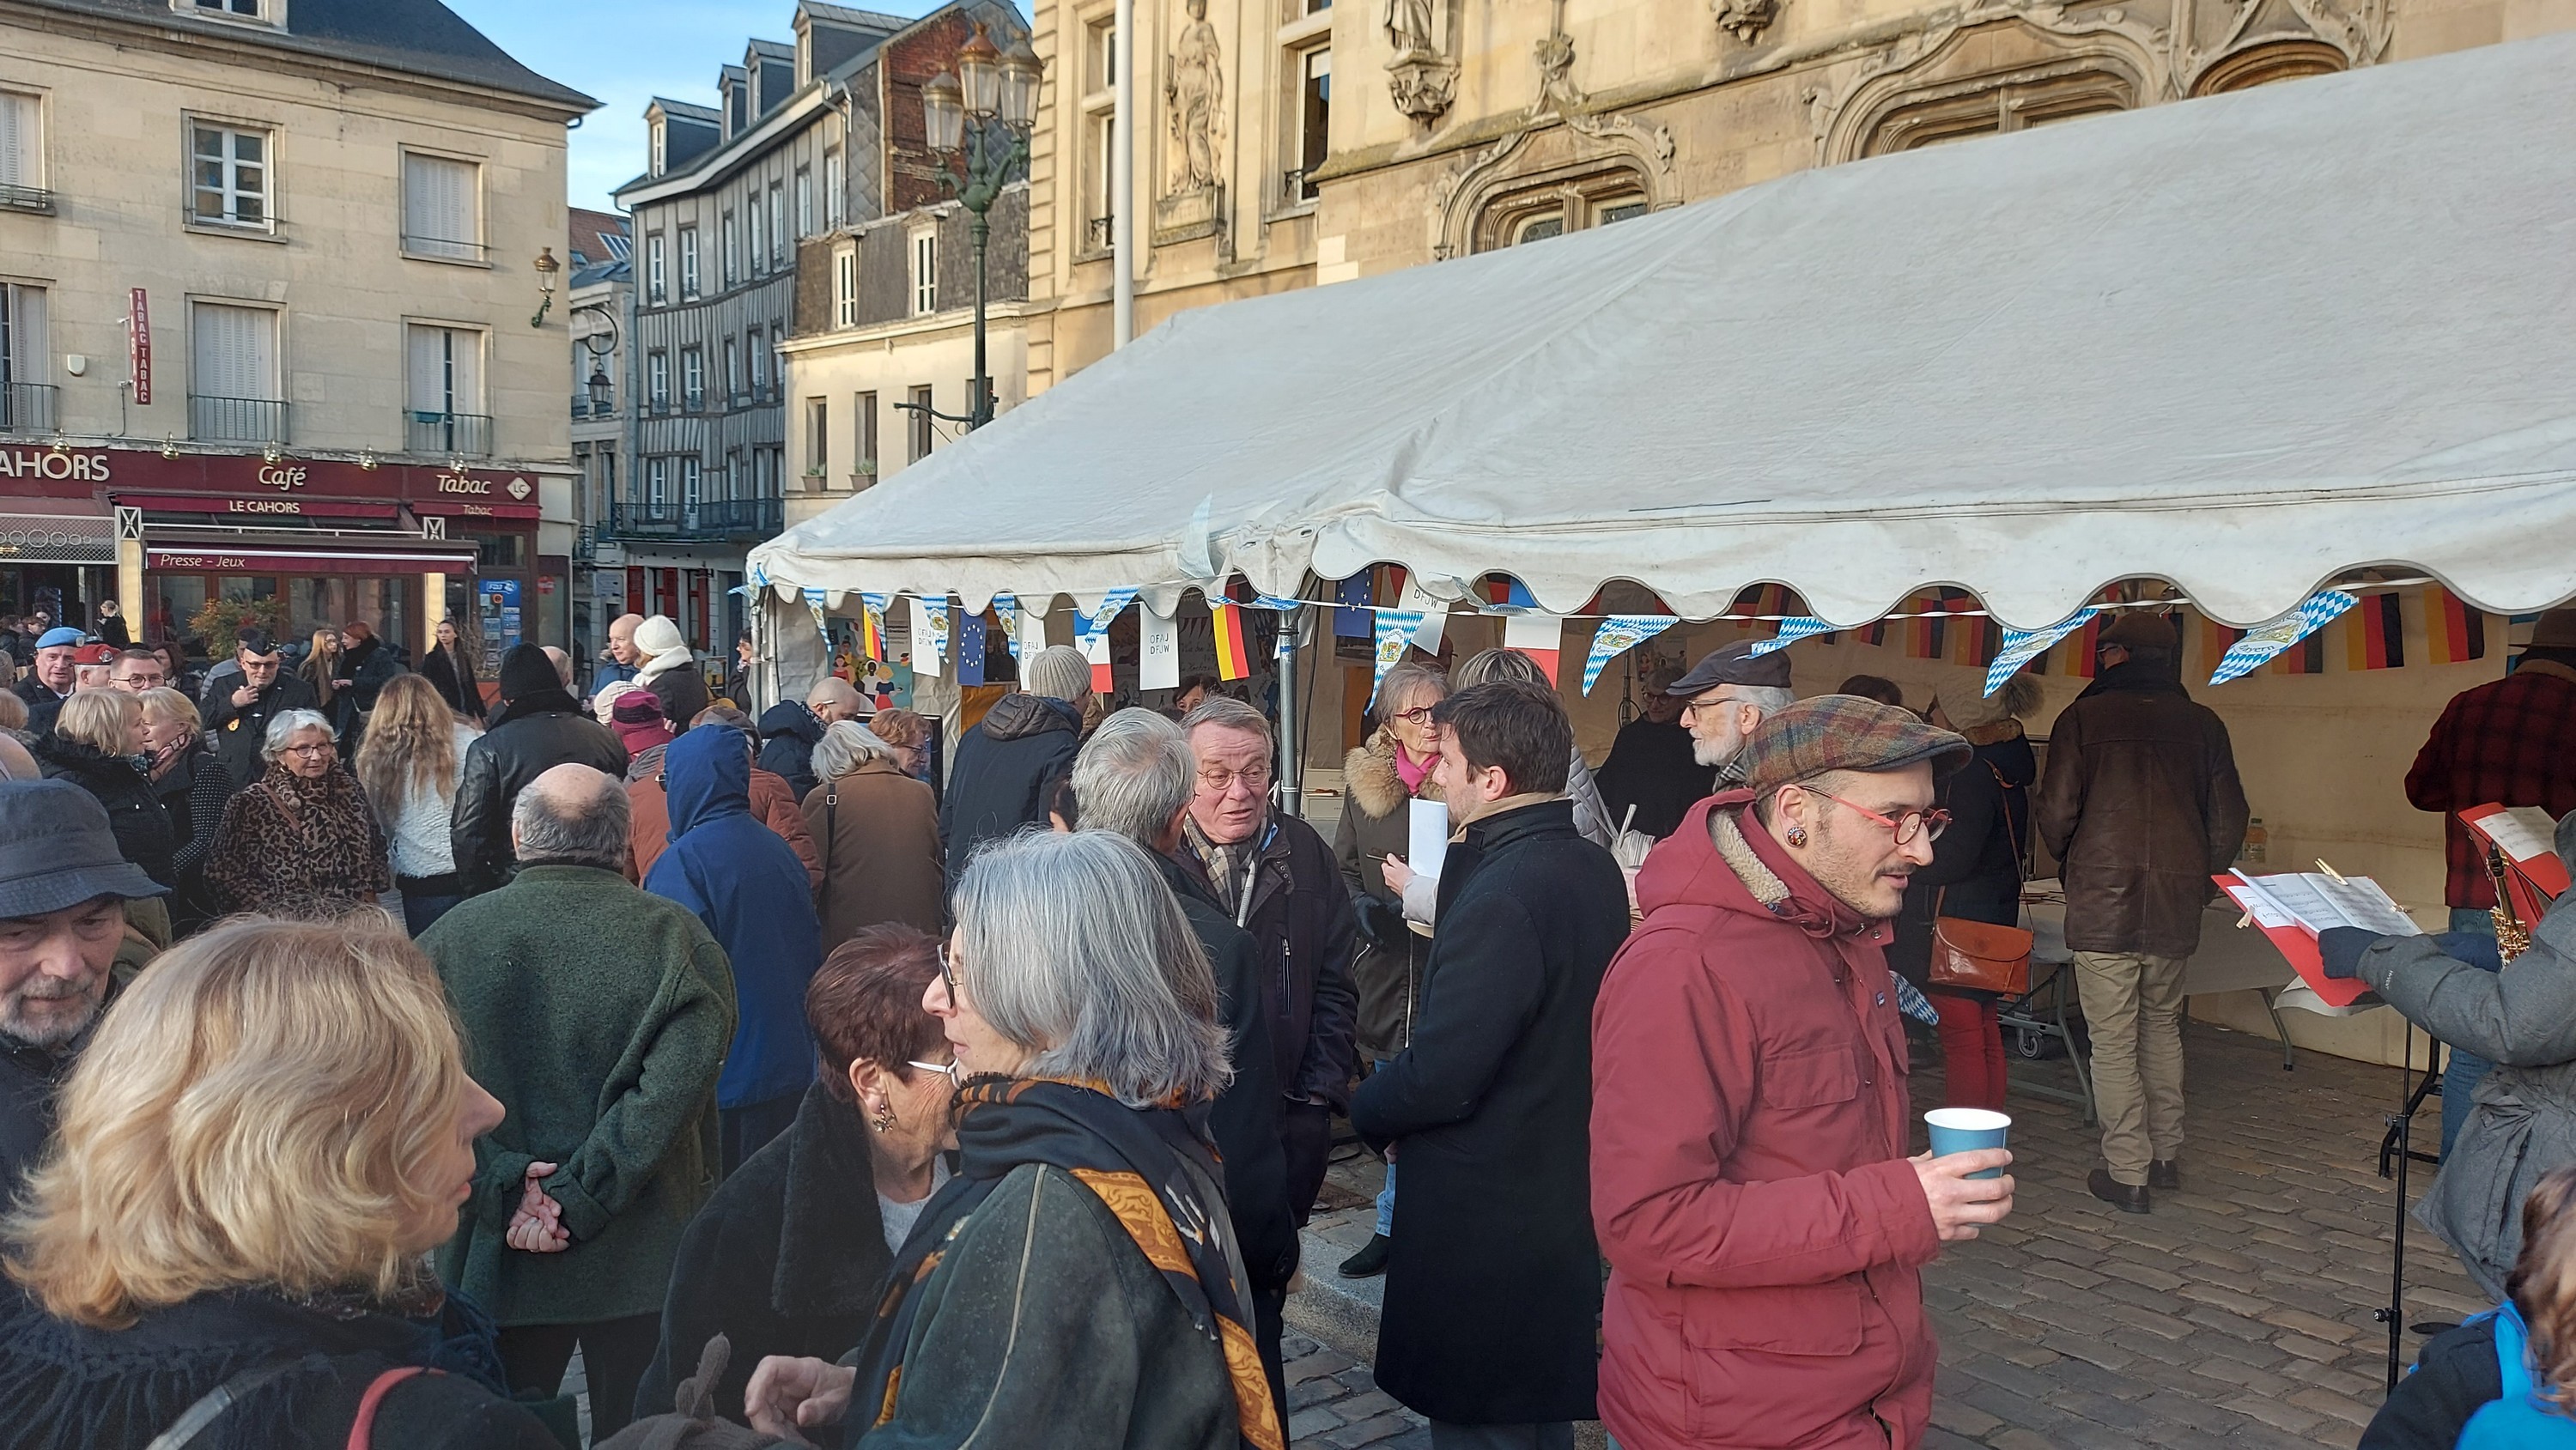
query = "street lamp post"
x=959 y=112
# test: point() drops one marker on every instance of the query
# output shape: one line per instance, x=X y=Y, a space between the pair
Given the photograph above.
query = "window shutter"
x=17 y=140
x=466 y=375
x=22 y=310
x=428 y=369
x=438 y=201
x=234 y=352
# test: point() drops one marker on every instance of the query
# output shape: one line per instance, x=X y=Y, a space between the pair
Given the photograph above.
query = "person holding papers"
x=2522 y=1121
x=2509 y=742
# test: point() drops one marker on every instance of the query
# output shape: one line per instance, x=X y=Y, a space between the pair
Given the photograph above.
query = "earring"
x=1798 y=836
x=883 y=1122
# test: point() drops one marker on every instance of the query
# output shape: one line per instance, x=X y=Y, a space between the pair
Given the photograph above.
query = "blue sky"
x=626 y=52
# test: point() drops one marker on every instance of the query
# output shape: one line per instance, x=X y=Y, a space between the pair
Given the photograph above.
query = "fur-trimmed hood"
x=1369 y=778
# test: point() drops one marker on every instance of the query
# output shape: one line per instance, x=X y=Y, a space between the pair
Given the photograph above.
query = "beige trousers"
x=2133 y=1007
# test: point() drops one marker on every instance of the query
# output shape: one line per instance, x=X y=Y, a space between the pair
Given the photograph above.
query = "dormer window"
x=271 y=12
x=661 y=148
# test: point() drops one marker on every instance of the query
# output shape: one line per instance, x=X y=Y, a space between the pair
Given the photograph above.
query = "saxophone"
x=2513 y=934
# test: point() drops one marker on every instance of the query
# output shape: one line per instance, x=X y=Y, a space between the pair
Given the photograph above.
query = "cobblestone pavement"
x=2237 y=1314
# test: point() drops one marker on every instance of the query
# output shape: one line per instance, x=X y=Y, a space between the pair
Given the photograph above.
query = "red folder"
x=2294 y=943
x=2534 y=880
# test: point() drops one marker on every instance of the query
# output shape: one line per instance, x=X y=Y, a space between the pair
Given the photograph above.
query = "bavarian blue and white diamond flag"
x=1112 y=604
x=2264 y=641
x=1619 y=634
x=1791 y=631
x=2021 y=646
x=1395 y=631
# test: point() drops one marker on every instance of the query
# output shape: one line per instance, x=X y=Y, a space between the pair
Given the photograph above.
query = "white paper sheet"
x=1427 y=842
x=2320 y=903
x=1158 y=652
x=2526 y=833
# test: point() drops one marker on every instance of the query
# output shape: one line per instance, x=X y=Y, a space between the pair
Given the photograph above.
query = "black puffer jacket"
x=1006 y=772
x=143 y=832
x=788 y=734
x=528 y=738
x=1975 y=873
x=68 y=1387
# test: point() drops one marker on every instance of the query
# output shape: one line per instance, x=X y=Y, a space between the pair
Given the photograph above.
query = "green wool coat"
x=599 y=1016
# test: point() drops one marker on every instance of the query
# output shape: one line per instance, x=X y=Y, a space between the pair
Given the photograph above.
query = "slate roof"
x=418 y=37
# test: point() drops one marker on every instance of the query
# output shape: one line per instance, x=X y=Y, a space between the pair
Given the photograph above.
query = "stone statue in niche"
x=1194 y=93
x=1409 y=27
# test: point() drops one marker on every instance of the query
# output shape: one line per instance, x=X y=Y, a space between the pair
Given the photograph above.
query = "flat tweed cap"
x=1844 y=732
x=1734 y=664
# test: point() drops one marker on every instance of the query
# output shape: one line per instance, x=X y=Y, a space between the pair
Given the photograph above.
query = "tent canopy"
x=2242 y=344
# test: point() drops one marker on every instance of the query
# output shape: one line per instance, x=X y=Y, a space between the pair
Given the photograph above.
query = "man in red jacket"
x=1750 y=1180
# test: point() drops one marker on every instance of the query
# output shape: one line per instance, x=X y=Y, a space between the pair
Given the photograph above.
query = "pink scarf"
x=1411 y=771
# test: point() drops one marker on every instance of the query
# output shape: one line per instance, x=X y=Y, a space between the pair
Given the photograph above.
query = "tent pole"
x=1292 y=777
x=1122 y=178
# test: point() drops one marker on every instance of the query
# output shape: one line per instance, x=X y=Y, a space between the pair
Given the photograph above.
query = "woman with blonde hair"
x=321 y=669
x=192 y=785
x=226 y=1244
x=409 y=765
x=97 y=743
x=299 y=840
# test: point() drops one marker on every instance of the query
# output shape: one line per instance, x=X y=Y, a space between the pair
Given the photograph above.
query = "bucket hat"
x=56 y=851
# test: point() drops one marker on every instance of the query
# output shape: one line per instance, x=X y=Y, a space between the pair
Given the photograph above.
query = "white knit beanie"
x=658 y=636
x=1059 y=672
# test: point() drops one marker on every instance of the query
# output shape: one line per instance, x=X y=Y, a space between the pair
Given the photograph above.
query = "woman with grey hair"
x=1068 y=1280
x=300 y=840
x=1591 y=817
x=877 y=831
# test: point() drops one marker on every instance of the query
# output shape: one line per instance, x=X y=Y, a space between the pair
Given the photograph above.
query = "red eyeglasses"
x=1907 y=826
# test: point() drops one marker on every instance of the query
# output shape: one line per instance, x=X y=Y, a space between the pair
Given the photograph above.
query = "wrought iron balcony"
x=444 y=249
x=710 y=520
x=465 y=435
x=27 y=198
x=214 y=419
x=27 y=407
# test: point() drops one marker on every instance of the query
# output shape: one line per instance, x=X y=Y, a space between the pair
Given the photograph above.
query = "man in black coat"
x=1135 y=778
x=51 y=675
x=1493 y=1290
x=1008 y=766
x=1278 y=880
x=790 y=731
x=63 y=889
x=538 y=727
x=238 y=721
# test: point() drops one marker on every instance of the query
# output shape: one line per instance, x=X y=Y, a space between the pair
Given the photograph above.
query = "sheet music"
x=2525 y=832
x=2320 y=903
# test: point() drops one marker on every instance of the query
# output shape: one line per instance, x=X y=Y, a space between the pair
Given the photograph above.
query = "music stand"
x=2396 y=1151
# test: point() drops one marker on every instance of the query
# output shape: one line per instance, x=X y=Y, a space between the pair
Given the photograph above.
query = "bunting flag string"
x=2267 y=640
x=2021 y=646
x=1619 y=634
x=1395 y=631
x=1792 y=631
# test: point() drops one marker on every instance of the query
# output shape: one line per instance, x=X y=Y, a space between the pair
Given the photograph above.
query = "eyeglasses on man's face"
x=1256 y=779
x=1927 y=824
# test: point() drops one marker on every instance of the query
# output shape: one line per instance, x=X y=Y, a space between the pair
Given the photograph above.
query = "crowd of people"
x=809 y=1101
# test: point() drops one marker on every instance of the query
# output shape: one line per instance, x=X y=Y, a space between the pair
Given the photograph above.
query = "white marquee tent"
x=2243 y=344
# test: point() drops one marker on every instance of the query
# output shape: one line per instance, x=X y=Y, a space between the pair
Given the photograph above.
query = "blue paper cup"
x=1960 y=1130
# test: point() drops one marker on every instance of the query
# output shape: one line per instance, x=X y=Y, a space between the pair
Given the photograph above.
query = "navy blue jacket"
x=751 y=892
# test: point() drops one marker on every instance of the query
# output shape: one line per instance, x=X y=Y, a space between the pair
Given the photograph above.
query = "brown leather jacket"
x=2139 y=804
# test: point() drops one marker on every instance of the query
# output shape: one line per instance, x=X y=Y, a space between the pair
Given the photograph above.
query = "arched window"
x=1551 y=208
x=2286 y=60
x=1986 y=106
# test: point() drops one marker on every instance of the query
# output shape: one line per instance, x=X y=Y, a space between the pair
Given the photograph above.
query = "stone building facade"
x=1458 y=126
x=275 y=297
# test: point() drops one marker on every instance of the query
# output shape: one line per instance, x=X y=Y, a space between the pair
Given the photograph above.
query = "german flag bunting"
x=1233 y=661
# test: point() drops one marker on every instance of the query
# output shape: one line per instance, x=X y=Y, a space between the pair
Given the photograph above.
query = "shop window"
x=230 y=175
x=440 y=217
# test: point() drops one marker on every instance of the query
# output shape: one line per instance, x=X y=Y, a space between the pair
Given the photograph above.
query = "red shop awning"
x=256 y=507
x=269 y=558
